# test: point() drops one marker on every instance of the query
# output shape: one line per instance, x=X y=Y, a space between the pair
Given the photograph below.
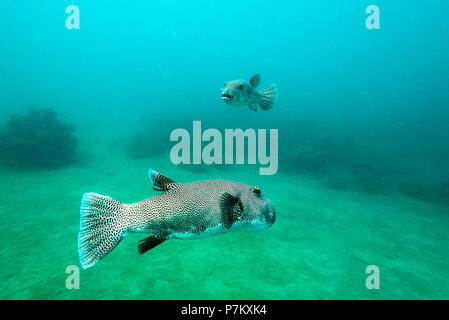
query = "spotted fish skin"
x=186 y=211
x=183 y=211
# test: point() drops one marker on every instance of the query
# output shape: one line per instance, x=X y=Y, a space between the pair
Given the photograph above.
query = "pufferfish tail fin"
x=268 y=97
x=102 y=227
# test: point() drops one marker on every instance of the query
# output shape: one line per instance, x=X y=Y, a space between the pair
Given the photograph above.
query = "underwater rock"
x=342 y=159
x=37 y=139
x=146 y=143
x=436 y=192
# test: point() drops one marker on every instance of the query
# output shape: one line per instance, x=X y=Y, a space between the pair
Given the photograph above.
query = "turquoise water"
x=363 y=144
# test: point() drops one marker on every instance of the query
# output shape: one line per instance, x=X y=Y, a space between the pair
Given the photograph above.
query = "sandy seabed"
x=319 y=247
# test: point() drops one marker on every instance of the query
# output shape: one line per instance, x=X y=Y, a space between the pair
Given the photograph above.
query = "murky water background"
x=363 y=144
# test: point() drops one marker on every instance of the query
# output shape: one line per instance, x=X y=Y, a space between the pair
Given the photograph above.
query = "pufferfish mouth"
x=226 y=97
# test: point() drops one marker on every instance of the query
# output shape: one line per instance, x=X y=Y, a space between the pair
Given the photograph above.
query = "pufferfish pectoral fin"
x=231 y=209
x=151 y=242
x=253 y=107
x=160 y=182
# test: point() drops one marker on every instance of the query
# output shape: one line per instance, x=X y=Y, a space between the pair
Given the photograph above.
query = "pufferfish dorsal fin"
x=160 y=182
x=255 y=80
x=231 y=209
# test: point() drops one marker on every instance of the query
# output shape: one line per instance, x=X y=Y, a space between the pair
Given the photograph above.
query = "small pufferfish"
x=239 y=93
x=183 y=211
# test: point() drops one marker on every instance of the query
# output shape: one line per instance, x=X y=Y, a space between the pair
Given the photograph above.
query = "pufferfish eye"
x=241 y=86
x=256 y=190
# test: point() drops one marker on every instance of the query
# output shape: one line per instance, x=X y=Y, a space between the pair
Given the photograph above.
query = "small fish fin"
x=268 y=97
x=160 y=182
x=231 y=209
x=253 y=107
x=151 y=242
x=101 y=227
x=255 y=80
